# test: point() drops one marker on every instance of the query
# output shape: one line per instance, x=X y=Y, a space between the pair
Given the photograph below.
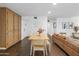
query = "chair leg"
x=31 y=51
x=46 y=51
x=49 y=47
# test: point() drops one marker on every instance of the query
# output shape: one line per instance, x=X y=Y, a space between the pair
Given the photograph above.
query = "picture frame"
x=54 y=25
x=67 y=25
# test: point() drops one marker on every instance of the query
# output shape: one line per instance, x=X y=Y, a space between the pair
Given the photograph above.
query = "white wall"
x=31 y=25
x=50 y=28
x=59 y=29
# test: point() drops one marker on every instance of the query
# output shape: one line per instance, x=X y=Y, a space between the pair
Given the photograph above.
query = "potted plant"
x=40 y=31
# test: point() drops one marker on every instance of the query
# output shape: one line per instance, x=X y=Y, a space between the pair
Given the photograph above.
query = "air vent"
x=35 y=17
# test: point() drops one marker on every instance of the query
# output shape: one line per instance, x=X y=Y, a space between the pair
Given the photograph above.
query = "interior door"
x=2 y=27
x=19 y=31
x=9 y=27
x=16 y=28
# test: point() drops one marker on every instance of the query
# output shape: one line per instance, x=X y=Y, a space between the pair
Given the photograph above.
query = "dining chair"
x=31 y=49
x=39 y=45
x=48 y=46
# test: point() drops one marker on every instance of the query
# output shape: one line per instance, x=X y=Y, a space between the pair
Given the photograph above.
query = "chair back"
x=39 y=42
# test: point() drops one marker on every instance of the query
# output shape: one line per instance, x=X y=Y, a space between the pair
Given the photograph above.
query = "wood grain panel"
x=19 y=28
x=2 y=27
x=9 y=27
x=9 y=21
x=15 y=22
x=16 y=28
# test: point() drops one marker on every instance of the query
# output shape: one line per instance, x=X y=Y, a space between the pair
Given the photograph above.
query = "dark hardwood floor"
x=22 y=48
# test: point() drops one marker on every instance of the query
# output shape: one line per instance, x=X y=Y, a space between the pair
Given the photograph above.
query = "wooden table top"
x=42 y=36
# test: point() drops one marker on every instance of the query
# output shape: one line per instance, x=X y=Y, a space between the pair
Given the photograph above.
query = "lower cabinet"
x=16 y=38
x=9 y=39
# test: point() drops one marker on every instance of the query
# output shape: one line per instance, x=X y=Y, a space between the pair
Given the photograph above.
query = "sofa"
x=75 y=35
x=69 y=45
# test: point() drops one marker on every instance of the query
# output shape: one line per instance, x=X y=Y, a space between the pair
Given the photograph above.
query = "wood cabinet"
x=19 y=27
x=16 y=28
x=10 y=28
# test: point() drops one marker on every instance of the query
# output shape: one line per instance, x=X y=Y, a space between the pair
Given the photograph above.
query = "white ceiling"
x=41 y=9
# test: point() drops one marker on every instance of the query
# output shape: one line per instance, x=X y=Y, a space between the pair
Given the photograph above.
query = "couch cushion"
x=73 y=43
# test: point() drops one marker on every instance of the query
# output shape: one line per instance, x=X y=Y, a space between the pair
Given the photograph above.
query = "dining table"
x=37 y=36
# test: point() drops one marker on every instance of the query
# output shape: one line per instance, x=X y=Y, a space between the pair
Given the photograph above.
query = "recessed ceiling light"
x=49 y=12
x=54 y=3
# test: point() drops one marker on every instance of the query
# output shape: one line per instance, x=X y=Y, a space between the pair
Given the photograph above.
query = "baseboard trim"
x=25 y=37
x=2 y=48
